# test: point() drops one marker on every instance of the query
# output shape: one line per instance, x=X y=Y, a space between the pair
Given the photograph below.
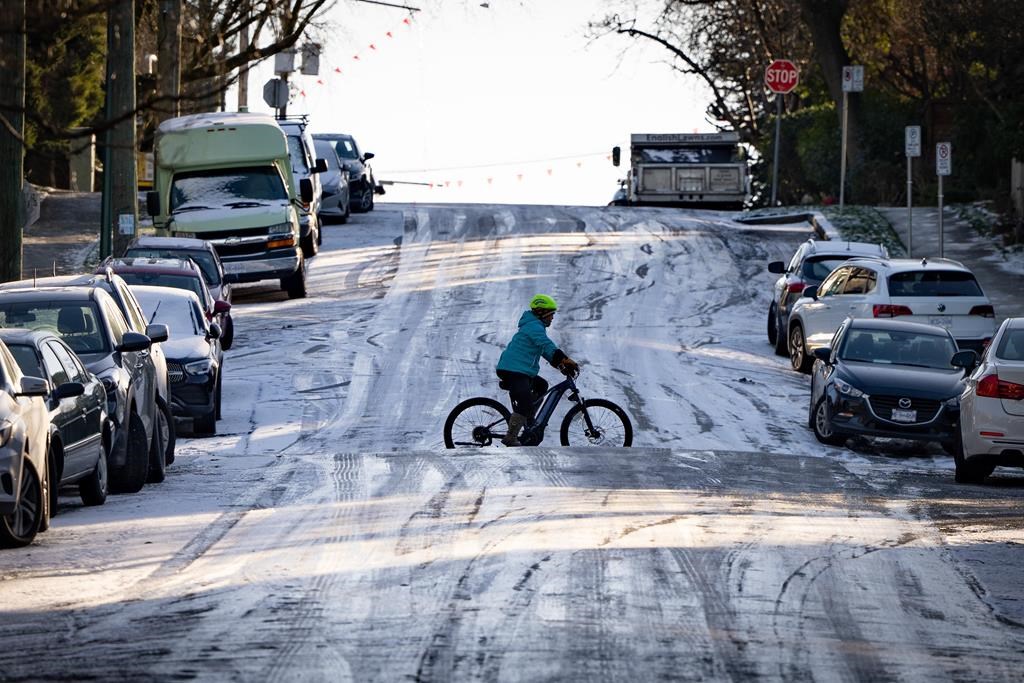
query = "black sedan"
x=888 y=378
x=80 y=430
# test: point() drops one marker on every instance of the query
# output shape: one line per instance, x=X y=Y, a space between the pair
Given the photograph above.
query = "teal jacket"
x=527 y=346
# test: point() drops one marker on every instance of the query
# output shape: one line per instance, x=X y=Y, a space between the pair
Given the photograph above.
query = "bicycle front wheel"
x=476 y=422
x=609 y=425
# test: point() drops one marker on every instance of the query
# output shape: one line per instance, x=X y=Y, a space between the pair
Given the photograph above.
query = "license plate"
x=904 y=415
x=945 y=321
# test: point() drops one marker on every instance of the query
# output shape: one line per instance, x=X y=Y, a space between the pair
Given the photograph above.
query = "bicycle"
x=482 y=421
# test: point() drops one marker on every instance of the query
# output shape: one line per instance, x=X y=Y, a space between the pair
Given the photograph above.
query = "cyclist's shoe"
x=515 y=423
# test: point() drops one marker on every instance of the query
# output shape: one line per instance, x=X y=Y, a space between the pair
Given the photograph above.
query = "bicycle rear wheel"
x=611 y=425
x=476 y=422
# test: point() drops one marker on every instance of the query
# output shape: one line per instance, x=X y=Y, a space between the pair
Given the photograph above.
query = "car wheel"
x=93 y=489
x=823 y=431
x=132 y=476
x=295 y=284
x=158 y=445
x=773 y=330
x=346 y=214
x=366 y=199
x=228 y=338
x=216 y=398
x=798 y=349
x=319 y=234
x=20 y=527
x=309 y=244
x=205 y=424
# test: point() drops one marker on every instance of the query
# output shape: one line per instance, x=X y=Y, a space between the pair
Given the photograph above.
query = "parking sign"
x=912 y=139
x=943 y=158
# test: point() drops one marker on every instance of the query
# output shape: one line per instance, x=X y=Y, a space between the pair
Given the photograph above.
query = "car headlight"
x=199 y=367
x=848 y=389
x=6 y=429
x=953 y=402
x=279 y=229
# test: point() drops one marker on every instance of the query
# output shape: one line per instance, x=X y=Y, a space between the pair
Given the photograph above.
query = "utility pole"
x=168 y=64
x=243 y=71
x=12 y=131
x=122 y=201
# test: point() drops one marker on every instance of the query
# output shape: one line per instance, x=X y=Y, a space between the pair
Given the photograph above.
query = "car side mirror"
x=320 y=166
x=153 y=203
x=157 y=332
x=306 y=190
x=221 y=306
x=215 y=331
x=133 y=341
x=68 y=390
x=822 y=353
x=812 y=292
x=34 y=386
x=777 y=267
x=368 y=156
x=966 y=359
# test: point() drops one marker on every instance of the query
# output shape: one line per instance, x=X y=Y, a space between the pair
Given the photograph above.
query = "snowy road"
x=325 y=534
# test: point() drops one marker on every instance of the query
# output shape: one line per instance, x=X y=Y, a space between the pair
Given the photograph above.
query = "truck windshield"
x=689 y=155
x=211 y=188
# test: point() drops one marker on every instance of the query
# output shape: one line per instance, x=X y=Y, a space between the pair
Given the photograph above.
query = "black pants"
x=524 y=390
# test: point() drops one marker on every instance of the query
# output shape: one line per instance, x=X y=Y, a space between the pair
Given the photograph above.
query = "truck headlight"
x=279 y=229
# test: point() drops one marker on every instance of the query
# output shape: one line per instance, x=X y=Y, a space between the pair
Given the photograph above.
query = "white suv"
x=936 y=292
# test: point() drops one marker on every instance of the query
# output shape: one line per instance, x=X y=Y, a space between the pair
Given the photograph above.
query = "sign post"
x=912 y=143
x=853 y=81
x=781 y=77
x=943 y=167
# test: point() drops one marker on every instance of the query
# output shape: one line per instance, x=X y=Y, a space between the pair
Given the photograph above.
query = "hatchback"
x=992 y=407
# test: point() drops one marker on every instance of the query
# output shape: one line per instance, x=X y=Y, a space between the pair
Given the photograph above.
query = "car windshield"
x=819 y=267
x=186 y=282
x=203 y=259
x=346 y=149
x=178 y=314
x=1011 y=346
x=891 y=347
x=934 y=283
x=77 y=323
x=27 y=360
x=213 y=188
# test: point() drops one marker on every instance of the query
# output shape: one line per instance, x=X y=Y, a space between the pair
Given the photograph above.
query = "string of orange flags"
x=337 y=69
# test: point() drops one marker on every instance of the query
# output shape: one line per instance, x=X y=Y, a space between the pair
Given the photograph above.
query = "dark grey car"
x=362 y=184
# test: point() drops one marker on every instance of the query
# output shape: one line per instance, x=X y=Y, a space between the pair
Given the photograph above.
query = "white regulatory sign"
x=126 y=224
x=943 y=158
x=853 y=78
x=912 y=138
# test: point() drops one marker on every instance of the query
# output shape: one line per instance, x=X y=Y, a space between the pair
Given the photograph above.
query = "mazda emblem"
x=904 y=403
x=942 y=307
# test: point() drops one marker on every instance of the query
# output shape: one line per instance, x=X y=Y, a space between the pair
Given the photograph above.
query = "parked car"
x=334 y=181
x=362 y=183
x=305 y=165
x=24 y=450
x=810 y=265
x=90 y=323
x=117 y=288
x=205 y=256
x=932 y=291
x=992 y=407
x=193 y=352
x=177 y=273
x=80 y=432
x=888 y=378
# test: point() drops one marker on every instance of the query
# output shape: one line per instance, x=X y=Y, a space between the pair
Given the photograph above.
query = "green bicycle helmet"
x=543 y=302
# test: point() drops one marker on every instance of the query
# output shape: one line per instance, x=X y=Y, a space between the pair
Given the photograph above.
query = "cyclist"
x=519 y=364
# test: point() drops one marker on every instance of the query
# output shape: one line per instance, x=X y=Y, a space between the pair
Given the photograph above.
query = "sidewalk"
x=1002 y=279
x=61 y=239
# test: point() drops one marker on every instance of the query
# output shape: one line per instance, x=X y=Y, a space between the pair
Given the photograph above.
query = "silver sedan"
x=992 y=407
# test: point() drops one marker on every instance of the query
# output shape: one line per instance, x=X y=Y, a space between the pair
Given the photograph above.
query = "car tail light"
x=795 y=287
x=889 y=310
x=991 y=386
x=996 y=434
x=984 y=311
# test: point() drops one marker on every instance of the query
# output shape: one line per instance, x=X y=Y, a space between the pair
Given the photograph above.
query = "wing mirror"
x=221 y=306
x=68 y=390
x=823 y=353
x=320 y=166
x=215 y=331
x=777 y=267
x=368 y=156
x=133 y=341
x=812 y=292
x=158 y=332
x=34 y=386
x=966 y=359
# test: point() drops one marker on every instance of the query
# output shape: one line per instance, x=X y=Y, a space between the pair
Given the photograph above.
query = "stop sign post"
x=943 y=168
x=781 y=77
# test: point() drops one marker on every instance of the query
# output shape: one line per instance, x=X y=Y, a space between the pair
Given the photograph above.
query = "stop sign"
x=781 y=76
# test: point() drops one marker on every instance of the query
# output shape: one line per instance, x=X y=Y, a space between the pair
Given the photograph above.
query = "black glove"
x=568 y=367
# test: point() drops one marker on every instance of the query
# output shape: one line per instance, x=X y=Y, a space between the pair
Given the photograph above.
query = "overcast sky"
x=504 y=103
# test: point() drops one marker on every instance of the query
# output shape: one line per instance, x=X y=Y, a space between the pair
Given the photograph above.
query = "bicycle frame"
x=533 y=432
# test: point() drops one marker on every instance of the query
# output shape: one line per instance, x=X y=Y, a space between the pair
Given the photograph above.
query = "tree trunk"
x=124 y=197
x=12 y=130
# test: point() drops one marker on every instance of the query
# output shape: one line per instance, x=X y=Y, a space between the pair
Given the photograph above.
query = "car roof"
x=839 y=247
x=165 y=293
x=895 y=325
x=150 y=264
x=332 y=136
x=183 y=243
x=81 y=293
x=20 y=335
x=1014 y=323
x=902 y=265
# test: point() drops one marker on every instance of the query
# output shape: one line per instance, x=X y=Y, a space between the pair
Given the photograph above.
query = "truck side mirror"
x=306 y=190
x=153 y=203
x=616 y=156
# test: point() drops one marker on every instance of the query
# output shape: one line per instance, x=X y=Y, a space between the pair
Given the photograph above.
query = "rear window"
x=818 y=267
x=203 y=259
x=934 y=283
x=1011 y=346
x=189 y=284
x=78 y=324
